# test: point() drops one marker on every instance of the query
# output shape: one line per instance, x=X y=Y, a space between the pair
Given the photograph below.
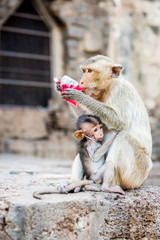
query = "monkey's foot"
x=77 y=189
x=63 y=188
x=113 y=189
x=75 y=186
x=92 y=187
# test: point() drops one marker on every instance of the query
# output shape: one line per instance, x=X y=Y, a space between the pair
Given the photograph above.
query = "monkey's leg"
x=80 y=184
x=77 y=170
x=108 y=176
x=97 y=177
x=132 y=164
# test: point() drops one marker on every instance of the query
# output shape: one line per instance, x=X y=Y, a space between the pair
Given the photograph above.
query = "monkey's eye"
x=89 y=70
x=83 y=70
x=95 y=130
x=101 y=127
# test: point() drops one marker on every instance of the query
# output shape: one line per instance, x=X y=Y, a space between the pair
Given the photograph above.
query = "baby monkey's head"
x=90 y=127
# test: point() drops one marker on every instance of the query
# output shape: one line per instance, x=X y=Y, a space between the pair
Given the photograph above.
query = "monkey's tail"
x=62 y=190
x=38 y=194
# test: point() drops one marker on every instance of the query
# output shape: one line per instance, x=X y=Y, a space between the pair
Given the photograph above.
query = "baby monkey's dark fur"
x=84 y=153
x=91 y=150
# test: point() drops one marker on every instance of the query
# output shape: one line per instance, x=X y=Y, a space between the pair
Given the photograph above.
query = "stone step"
x=78 y=216
x=75 y=216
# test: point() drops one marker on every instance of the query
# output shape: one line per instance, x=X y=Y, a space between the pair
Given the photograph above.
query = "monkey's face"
x=93 y=131
x=89 y=79
x=98 y=132
x=97 y=71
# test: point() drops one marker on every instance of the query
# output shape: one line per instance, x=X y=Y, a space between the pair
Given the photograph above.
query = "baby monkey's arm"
x=103 y=149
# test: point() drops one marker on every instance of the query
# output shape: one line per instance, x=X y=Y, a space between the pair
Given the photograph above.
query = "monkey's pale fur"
x=120 y=107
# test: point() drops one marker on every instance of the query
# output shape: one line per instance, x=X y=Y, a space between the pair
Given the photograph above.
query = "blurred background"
x=40 y=39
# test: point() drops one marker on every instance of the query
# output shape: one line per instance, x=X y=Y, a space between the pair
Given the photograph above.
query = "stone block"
x=59 y=116
x=76 y=31
x=80 y=21
x=59 y=145
x=73 y=53
x=85 y=216
x=93 y=40
x=24 y=123
x=72 y=43
x=154 y=175
x=72 y=64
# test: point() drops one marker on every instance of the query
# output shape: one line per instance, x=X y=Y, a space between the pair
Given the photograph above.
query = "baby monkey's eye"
x=95 y=130
x=90 y=70
x=101 y=127
x=83 y=70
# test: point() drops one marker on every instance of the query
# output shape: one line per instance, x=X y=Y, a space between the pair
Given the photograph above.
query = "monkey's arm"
x=103 y=149
x=106 y=113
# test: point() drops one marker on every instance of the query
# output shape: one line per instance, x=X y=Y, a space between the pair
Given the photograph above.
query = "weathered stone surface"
x=59 y=145
x=73 y=43
x=73 y=53
x=76 y=31
x=93 y=40
x=59 y=116
x=154 y=175
x=134 y=33
x=25 y=123
x=76 y=216
x=156 y=142
x=86 y=216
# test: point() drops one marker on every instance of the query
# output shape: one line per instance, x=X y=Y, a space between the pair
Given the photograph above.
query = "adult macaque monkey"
x=116 y=102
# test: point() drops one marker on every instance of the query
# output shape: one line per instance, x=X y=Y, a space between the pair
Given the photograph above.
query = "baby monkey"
x=91 y=133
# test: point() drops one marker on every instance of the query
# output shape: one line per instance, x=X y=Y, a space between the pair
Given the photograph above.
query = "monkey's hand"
x=103 y=149
x=72 y=94
x=58 y=87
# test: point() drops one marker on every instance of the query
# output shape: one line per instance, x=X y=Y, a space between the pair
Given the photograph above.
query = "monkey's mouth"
x=100 y=139
x=85 y=88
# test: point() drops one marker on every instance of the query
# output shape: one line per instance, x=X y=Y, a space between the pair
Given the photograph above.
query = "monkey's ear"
x=116 y=70
x=79 y=135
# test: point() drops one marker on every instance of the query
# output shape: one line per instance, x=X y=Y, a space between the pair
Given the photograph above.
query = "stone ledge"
x=83 y=216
